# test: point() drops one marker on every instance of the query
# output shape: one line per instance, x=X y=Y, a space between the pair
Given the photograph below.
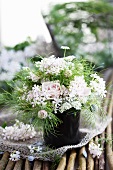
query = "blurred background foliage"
x=86 y=27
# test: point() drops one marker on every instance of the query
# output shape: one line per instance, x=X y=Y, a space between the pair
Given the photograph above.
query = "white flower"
x=95 y=150
x=51 y=65
x=69 y=58
x=33 y=77
x=98 y=85
x=30 y=51
x=19 y=131
x=15 y=156
x=34 y=149
x=68 y=73
x=78 y=87
x=42 y=114
x=51 y=90
x=65 y=47
x=65 y=106
x=77 y=105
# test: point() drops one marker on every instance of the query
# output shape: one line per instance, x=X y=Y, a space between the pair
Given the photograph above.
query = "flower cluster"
x=19 y=131
x=11 y=61
x=56 y=85
x=15 y=156
x=95 y=150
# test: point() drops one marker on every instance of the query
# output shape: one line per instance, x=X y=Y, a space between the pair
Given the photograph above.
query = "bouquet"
x=55 y=85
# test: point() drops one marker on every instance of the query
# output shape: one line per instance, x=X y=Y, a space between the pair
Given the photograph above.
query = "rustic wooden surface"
x=74 y=159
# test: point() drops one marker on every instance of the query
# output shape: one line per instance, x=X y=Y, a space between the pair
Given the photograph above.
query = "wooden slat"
x=90 y=160
x=19 y=165
x=45 y=166
x=10 y=165
x=4 y=161
x=82 y=160
x=96 y=166
x=109 y=152
x=102 y=157
x=27 y=165
x=62 y=163
x=71 y=161
x=37 y=165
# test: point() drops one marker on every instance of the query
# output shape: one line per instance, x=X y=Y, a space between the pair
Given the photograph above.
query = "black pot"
x=67 y=132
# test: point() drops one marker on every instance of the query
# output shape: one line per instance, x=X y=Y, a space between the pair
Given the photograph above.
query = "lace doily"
x=48 y=154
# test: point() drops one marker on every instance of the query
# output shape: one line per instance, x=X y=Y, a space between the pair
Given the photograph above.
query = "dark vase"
x=67 y=132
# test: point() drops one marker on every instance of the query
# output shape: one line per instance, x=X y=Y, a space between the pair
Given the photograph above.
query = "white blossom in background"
x=19 y=131
x=15 y=156
x=12 y=61
x=65 y=47
x=95 y=150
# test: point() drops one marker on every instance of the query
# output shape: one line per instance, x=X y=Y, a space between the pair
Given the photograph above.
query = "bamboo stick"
x=96 y=159
x=62 y=163
x=37 y=165
x=71 y=161
x=18 y=165
x=45 y=166
x=82 y=160
x=102 y=157
x=90 y=160
x=4 y=160
x=27 y=165
x=109 y=153
x=10 y=165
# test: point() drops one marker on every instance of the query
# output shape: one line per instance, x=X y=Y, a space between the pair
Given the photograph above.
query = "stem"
x=64 y=52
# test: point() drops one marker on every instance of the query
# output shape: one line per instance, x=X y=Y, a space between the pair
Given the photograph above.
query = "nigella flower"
x=15 y=156
x=65 y=47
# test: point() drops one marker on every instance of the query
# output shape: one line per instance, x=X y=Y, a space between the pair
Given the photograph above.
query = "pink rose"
x=51 y=89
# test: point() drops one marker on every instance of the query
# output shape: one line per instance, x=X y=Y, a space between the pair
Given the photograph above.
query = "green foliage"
x=21 y=46
x=77 y=24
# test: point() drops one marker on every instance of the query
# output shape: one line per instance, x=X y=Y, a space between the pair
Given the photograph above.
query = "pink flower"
x=51 y=90
x=42 y=114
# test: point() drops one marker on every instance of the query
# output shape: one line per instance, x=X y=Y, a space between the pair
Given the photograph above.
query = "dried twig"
x=45 y=166
x=62 y=163
x=27 y=165
x=96 y=159
x=90 y=160
x=71 y=161
x=19 y=164
x=10 y=165
x=82 y=160
x=4 y=161
x=102 y=157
